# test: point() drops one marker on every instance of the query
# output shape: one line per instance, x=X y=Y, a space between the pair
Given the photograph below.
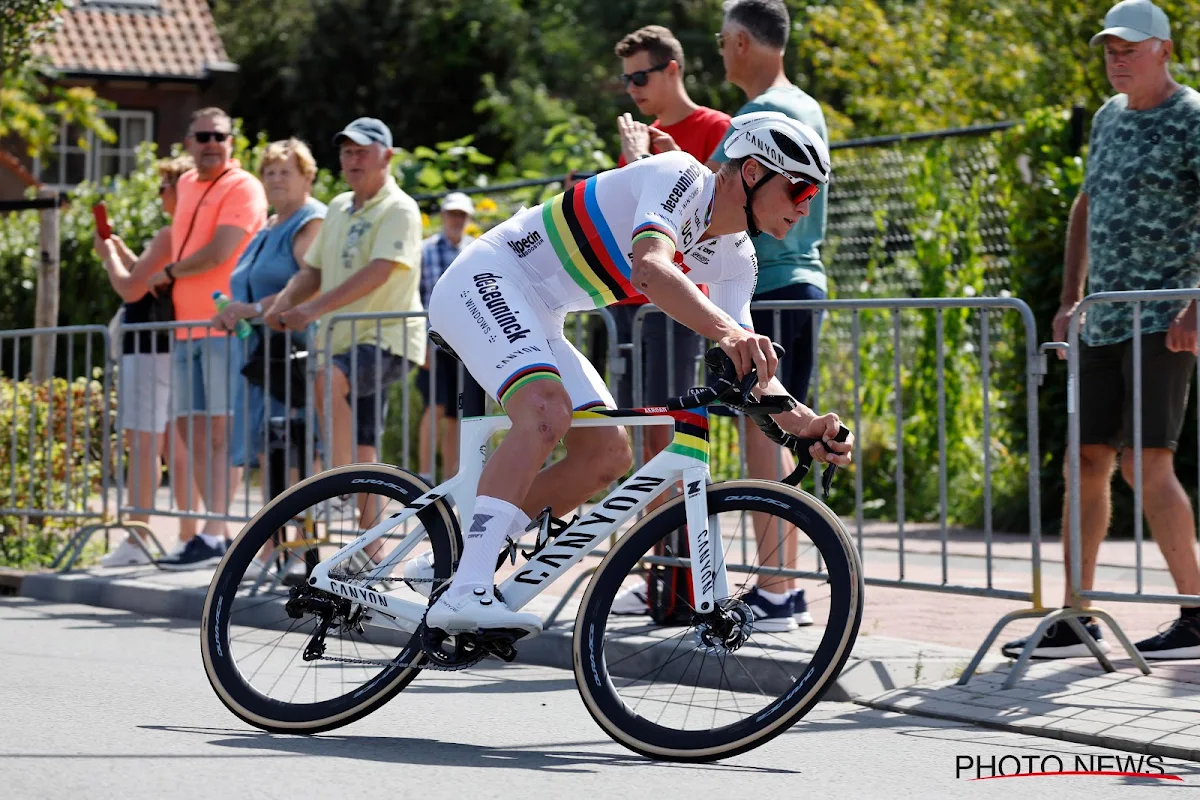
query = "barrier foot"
x=1092 y=646
x=66 y=548
x=1011 y=616
x=1134 y=655
x=80 y=541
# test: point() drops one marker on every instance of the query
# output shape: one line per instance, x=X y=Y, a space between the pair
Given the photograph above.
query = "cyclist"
x=502 y=303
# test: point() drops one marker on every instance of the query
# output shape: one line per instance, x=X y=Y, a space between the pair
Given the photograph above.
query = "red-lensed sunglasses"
x=802 y=191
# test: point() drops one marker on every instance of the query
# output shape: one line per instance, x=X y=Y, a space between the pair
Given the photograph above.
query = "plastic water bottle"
x=242 y=328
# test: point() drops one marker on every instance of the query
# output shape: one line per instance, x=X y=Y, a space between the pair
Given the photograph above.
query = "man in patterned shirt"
x=441 y=401
x=1135 y=226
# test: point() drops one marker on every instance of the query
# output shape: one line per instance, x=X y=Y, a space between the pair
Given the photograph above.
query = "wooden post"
x=46 y=313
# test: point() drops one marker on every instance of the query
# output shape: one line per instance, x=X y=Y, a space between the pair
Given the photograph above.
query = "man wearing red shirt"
x=652 y=66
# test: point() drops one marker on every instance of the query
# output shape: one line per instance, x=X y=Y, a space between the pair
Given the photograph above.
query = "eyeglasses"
x=720 y=40
x=642 y=76
x=204 y=137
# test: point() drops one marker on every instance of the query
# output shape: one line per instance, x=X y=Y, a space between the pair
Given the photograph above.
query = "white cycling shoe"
x=478 y=610
x=418 y=574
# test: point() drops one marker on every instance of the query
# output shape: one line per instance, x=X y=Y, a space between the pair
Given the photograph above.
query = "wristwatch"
x=170 y=266
x=258 y=309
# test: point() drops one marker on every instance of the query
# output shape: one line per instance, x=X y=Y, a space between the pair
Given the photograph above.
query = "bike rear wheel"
x=260 y=630
x=717 y=685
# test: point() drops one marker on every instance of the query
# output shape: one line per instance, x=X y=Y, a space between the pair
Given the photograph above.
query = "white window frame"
x=126 y=150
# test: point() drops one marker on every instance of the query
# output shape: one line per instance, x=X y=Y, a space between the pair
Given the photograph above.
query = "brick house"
x=157 y=61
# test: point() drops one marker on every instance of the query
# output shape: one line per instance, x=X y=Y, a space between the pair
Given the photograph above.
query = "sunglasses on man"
x=642 y=76
x=204 y=137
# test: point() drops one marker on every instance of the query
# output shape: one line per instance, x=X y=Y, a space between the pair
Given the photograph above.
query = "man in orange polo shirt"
x=220 y=207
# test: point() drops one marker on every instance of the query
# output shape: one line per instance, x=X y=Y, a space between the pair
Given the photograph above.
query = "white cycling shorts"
x=489 y=311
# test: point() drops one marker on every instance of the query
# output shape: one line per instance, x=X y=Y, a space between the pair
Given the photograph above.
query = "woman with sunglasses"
x=502 y=304
x=145 y=372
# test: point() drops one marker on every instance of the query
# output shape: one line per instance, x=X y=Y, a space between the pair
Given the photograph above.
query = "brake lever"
x=804 y=461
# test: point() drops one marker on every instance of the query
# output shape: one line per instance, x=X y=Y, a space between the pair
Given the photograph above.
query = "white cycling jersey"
x=501 y=304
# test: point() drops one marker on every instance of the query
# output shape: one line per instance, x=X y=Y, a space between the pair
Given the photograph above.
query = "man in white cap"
x=440 y=391
x=1135 y=225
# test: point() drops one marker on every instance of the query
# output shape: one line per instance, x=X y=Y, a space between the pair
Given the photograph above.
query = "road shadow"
x=558 y=757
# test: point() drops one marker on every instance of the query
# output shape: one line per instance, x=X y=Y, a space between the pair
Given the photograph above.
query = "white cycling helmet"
x=781 y=144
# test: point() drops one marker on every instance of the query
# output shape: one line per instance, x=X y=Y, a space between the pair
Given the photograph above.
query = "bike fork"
x=709 y=579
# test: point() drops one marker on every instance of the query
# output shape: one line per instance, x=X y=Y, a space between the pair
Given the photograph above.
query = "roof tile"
x=178 y=39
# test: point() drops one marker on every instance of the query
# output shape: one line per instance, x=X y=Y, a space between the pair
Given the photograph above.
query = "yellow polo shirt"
x=388 y=226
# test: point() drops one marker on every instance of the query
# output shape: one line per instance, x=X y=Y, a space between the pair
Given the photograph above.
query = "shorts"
x=1106 y=393
x=204 y=373
x=370 y=371
x=662 y=376
x=796 y=331
x=144 y=394
x=489 y=311
x=447 y=381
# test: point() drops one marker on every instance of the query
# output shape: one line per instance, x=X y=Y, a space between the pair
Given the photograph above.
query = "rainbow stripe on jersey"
x=585 y=244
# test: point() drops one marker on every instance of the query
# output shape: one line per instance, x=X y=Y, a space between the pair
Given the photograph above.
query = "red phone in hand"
x=103 y=229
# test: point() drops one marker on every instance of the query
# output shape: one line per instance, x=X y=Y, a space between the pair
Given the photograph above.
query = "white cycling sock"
x=775 y=597
x=483 y=537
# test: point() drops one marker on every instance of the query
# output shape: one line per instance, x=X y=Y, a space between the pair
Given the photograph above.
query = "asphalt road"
x=99 y=703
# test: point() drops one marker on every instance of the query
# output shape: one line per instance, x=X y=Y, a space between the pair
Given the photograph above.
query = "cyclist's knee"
x=541 y=409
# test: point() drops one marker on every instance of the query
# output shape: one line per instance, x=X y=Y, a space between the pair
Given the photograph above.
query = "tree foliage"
x=30 y=107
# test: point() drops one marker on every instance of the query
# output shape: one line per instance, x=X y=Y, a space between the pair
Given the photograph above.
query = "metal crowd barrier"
x=58 y=463
x=1080 y=597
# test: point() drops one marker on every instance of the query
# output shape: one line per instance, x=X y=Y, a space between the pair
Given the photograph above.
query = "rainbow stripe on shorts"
x=524 y=377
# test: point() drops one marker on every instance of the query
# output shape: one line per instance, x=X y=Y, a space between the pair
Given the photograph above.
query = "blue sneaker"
x=768 y=616
x=196 y=554
x=800 y=609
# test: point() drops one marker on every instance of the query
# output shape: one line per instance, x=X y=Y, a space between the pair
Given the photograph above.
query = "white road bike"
x=315 y=642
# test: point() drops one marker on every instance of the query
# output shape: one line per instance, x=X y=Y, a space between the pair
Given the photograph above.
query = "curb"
x=860 y=677
x=10 y=581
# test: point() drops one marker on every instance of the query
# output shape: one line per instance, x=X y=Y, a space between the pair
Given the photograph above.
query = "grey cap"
x=364 y=131
x=1134 y=21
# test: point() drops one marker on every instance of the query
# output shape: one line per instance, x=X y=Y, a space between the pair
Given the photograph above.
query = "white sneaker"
x=127 y=554
x=630 y=603
x=478 y=610
x=418 y=573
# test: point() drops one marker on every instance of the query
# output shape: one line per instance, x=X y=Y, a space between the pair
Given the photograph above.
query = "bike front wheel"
x=712 y=686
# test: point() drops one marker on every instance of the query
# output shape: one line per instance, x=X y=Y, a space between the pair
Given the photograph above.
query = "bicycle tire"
x=592 y=678
x=237 y=694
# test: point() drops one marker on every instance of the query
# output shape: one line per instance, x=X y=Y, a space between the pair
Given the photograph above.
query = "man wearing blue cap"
x=1135 y=226
x=366 y=259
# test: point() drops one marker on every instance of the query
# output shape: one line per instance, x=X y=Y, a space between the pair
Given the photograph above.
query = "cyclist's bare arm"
x=654 y=274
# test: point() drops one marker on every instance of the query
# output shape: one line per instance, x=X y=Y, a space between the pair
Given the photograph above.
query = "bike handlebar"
x=730 y=391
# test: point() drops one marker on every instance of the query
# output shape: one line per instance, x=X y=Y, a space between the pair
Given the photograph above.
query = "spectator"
x=366 y=258
x=1135 y=225
x=145 y=373
x=652 y=62
x=270 y=260
x=437 y=253
x=752 y=40
x=220 y=207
